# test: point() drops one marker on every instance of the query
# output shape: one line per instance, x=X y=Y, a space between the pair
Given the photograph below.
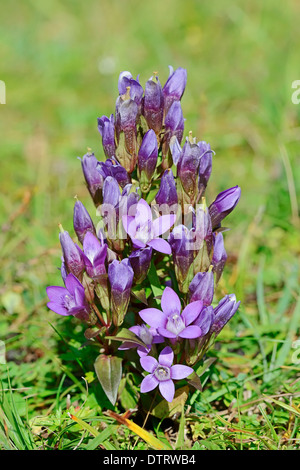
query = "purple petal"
x=190 y=332
x=143 y=213
x=166 y=333
x=170 y=302
x=161 y=245
x=153 y=317
x=148 y=383
x=191 y=311
x=167 y=389
x=163 y=224
x=56 y=293
x=57 y=308
x=149 y=363
x=129 y=225
x=166 y=357
x=72 y=283
x=179 y=371
x=138 y=243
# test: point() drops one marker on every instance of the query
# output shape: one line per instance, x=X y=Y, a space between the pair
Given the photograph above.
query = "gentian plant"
x=142 y=275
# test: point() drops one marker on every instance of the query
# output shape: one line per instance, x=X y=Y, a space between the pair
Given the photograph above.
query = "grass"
x=60 y=63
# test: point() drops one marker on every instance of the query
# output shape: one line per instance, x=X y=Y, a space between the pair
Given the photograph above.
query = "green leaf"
x=126 y=335
x=109 y=373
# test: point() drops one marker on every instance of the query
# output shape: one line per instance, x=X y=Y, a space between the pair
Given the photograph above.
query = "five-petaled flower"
x=162 y=373
x=143 y=230
x=170 y=322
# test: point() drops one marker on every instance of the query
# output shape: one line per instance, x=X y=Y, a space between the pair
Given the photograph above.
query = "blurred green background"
x=61 y=60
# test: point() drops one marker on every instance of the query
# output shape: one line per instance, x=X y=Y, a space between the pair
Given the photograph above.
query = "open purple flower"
x=144 y=231
x=162 y=373
x=69 y=300
x=170 y=322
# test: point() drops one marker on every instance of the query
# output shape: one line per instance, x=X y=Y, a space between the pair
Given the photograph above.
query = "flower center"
x=143 y=231
x=175 y=324
x=69 y=302
x=162 y=373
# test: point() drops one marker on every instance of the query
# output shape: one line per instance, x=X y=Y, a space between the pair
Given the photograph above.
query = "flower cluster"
x=146 y=273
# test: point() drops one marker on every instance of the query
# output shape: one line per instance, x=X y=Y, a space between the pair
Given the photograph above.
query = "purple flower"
x=174 y=87
x=72 y=254
x=153 y=105
x=167 y=193
x=93 y=178
x=149 y=336
x=111 y=167
x=170 y=322
x=224 y=203
x=202 y=287
x=144 y=231
x=69 y=300
x=126 y=133
x=162 y=373
x=181 y=240
x=82 y=221
x=187 y=171
x=127 y=83
x=205 y=167
x=174 y=127
x=219 y=255
x=224 y=311
x=147 y=159
x=120 y=275
x=106 y=127
x=140 y=262
x=95 y=254
x=205 y=319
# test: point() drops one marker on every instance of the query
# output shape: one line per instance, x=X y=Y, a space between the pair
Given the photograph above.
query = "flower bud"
x=72 y=254
x=126 y=132
x=224 y=311
x=224 y=203
x=153 y=107
x=140 y=262
x=187 y=170
x=174 y=127
x=120 y=275
x=181 y=240
x=202 y=287
x=174 y=87
x=219 y=255
x=147 y=159
x=205 y=167
x=93 y=178
x=82 y=221
x=167 y=193
x=106 y=128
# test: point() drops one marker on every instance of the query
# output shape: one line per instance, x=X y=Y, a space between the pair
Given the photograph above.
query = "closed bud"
x=140 y=262
x=147 y=159
x=93 y=178
x=106 y=128
x=72 y=254
x=224 y=311
x=219 y=255
x=205 y=167
x=153 y=106
x=167 y=193
x=181 y=240
x=174 y=87
x=120 y=275
x=174 y=127
x=202 y=287
x=82 y=221
x=187 y=171
x=224 y=203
